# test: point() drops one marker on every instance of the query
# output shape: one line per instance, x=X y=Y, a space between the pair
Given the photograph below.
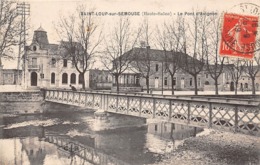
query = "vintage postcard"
x=129 y=82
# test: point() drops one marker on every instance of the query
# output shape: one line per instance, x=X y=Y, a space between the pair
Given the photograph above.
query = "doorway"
x=34 y=79
x=156 y=82
x=232 y=87
x=182 y=83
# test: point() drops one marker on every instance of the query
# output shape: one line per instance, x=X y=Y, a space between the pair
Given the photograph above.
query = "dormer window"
x=34 y=48
x=53 y=62
x=65 y=62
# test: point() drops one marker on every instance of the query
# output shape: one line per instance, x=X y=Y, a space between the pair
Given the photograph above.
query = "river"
x=66 y=136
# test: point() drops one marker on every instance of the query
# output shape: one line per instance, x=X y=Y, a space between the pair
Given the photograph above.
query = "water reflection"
x=67 y=138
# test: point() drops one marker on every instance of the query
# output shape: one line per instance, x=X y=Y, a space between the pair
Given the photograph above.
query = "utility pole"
x=23 y=9
x=162 y=78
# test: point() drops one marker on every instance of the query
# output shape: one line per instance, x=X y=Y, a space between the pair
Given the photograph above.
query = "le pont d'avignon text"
x=196 y=13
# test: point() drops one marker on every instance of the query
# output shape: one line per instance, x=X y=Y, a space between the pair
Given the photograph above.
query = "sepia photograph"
x=129 y=82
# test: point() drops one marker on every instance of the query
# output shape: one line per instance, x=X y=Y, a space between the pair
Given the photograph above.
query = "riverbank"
x=214 y=148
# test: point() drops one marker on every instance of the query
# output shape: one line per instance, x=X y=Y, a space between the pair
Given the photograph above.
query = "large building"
x=45 y=67
x=159 y=77
x=133 y=78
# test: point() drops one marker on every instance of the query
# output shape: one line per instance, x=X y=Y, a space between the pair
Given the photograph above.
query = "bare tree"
x=82 y=36
x=170 y=39
x=214 y=63
x=119 y=48
x=195 y=44
x=236 y=68
x=143 y=59
x=252 y=69
x=9 y=28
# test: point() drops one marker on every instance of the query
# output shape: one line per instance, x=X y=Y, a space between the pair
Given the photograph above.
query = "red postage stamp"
x=238 y=36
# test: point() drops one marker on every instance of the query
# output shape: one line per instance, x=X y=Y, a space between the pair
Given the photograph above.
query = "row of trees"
x=85 y=39
x=197 y=35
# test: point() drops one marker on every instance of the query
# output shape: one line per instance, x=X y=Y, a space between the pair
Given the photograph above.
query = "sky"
x=46 y=12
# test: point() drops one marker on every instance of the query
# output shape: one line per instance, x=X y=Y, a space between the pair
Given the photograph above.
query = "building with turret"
x=45 y=67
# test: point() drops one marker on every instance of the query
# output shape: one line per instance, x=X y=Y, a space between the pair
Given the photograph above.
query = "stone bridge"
x=235 y=115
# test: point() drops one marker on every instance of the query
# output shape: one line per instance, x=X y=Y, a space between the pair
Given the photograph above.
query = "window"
x=198 y=81
x=206 y=83
x=155 y=127
x=53 y=62
x=156 y=67
x=137 y=82
x=80 y=78
x=165 y=81
x=34 y=48
x=174 y=81
x=73 y=78
x=34 y=61
x=64 y=78
x=127 y=79
x=246 y=86
x=52 y=78
x=207 y=75
x=190 y=81
x=65 y=62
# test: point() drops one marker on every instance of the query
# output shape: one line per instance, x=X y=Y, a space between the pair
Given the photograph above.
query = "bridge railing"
x=234 y=115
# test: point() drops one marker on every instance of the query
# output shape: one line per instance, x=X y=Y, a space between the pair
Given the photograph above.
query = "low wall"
x=21 y=96
x=127 y=89
x=21 y=102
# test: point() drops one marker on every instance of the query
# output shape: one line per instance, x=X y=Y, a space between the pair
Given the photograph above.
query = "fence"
x=236 y=115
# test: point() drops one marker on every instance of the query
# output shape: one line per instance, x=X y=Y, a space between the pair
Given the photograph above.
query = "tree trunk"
x=117 y=83
x=253 y=85
x=216 y=86
x=147 y=84
x=195 y=84
x=172 y=77
x=236 y=84
x=83 y=81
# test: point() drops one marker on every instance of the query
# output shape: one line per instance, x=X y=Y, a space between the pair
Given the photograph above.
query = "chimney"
x=142 y=44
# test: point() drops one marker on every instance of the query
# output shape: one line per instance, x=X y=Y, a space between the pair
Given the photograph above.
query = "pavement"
x=13 y=88
x=205 y=92
x=18 y=88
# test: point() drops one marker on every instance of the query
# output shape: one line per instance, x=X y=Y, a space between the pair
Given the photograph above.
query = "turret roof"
x=40 y=29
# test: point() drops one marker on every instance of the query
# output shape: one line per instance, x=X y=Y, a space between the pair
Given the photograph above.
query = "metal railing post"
x=101 y=101
x=117 y=102
x=170 y=110
x=140 y=106
x=236 y=118
x=93 y=106
x=86 y=99
x=154 y=107
x=188 y=113
x=68 y=97
x=79 y=97
x=73 y=98
x=210 y=115
x=127 y=105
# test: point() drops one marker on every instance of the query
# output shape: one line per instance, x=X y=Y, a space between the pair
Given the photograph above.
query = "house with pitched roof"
x=154 y=61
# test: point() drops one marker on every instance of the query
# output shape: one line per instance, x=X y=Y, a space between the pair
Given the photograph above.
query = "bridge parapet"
x=233 y=115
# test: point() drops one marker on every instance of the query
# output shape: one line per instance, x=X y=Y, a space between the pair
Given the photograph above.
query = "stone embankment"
x=21 y=102
x=216 y=148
